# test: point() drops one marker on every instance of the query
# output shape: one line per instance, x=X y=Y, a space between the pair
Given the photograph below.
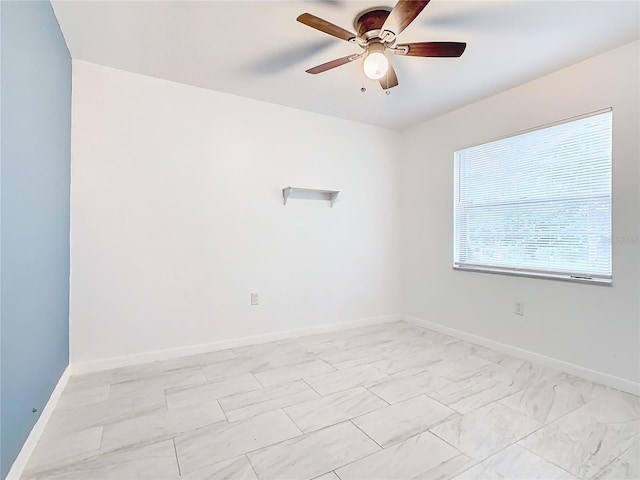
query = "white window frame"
x=460 y=262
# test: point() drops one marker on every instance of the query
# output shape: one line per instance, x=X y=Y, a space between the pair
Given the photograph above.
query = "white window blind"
x=538 y=203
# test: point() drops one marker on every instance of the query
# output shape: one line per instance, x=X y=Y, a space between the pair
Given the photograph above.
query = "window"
x=537 y=203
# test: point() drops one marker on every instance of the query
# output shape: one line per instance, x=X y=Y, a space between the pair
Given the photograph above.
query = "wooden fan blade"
x=431 y=49
x=390 y=80
x=403 y=14
x=333 y=64
x=326 y=27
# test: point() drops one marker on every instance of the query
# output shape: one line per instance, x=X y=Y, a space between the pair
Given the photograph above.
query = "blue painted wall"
x=34 y=222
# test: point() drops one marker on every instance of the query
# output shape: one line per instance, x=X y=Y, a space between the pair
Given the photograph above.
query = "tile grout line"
x=477 y=462
x=101 y=439
x=426 y=394
x=518 y=439
x=251 y=465
x=175 y=451
x=382 y=449
x=374 y=393
x=552 y=463
x=344 y=389
x=327 y=363
x=368 y=436
x=466 y=468
x=247 y=453
x=143 y=443
x=303 y=434
x=545 y=423
x=257 y=379
x=451 y=445
x=615 y=459
x=222 y=409
x=497 y=451
x=309 y=385
x=487 y=404
x=260 y=402
x=292 y=421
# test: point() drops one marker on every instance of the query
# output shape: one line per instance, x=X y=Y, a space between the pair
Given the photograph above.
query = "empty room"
x=321 y=239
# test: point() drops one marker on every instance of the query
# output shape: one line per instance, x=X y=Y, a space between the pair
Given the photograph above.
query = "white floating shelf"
x=310 y=194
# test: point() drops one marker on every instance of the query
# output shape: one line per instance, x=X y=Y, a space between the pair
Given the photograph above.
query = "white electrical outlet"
x=254 y=299
x=520 y=308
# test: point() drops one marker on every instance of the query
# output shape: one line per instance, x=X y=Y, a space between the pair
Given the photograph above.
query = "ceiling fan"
x=377 y=31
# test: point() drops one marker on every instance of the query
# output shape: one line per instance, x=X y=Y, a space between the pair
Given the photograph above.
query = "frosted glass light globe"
x=376 y=65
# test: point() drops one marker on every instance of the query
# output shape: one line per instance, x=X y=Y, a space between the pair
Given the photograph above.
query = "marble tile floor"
x=389 y=401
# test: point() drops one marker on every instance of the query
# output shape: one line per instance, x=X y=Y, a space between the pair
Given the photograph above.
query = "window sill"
x=567 y=277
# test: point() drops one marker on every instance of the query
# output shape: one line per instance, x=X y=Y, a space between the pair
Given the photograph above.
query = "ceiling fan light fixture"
x=377 y=30
x=376 y=63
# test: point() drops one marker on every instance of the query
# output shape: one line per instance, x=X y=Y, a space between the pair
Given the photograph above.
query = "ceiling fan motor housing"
x=369 y=23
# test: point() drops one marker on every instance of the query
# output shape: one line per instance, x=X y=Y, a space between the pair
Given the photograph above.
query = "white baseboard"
x=158 y=355
x=29 y=445
x=577 y=370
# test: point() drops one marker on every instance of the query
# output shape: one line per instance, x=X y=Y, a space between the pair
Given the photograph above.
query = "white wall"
x=177 y=215
x=595 y=327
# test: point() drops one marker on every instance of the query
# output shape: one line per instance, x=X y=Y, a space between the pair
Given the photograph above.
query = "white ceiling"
x=257 y=49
